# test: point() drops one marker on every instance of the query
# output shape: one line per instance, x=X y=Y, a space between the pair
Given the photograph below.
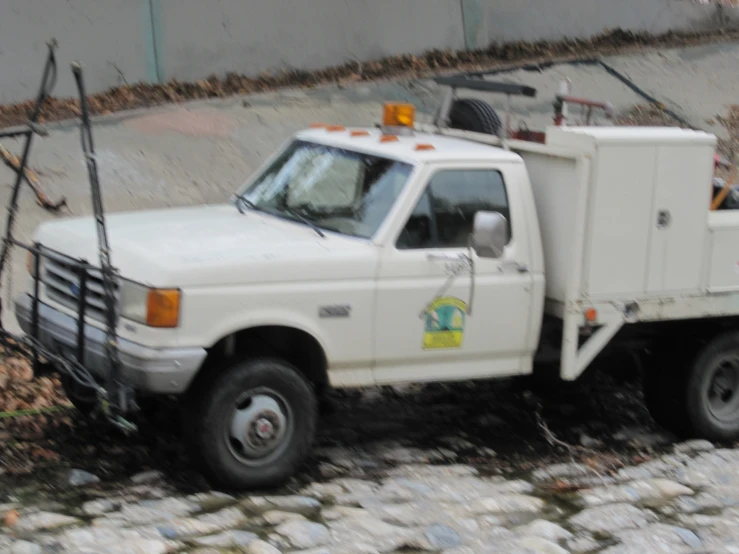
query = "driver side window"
x=444 y=215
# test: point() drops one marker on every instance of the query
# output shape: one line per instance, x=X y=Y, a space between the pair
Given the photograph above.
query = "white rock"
x=692 y=446
x=275 y=517
x=98 y=507
x=148 y=511
x=205 y=524
x=43 y=521
x=80 y=478
x=25 y=547
x=227 y=539
x=637 y=491
x=612 y=518
x=544 y=529
x=539 y=545
x=300 y=504
x=507 y=503
x=304 y=534
x=261 y=547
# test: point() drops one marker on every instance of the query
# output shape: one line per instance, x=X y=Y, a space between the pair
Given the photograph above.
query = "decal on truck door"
x=444 y=323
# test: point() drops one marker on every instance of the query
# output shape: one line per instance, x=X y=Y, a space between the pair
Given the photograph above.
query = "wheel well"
x=297 y=347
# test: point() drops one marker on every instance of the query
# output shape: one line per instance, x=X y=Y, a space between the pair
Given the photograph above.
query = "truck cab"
x=347 y=260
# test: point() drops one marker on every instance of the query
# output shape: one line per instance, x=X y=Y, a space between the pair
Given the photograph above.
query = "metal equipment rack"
x=115 y=397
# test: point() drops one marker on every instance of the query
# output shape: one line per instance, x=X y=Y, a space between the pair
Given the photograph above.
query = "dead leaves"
x=11 y=518
x=144 y=95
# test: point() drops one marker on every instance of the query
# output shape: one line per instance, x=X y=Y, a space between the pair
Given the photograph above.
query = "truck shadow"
x=505 y=428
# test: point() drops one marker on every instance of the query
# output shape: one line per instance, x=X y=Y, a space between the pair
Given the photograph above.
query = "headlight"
x=152 y=307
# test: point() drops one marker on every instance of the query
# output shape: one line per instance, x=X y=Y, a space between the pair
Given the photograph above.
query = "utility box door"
x=619 y=217
x=679 y=229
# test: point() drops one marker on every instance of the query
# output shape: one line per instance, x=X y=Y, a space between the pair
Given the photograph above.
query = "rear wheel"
x=470 y=114
x=713 y=389
x=254 y=426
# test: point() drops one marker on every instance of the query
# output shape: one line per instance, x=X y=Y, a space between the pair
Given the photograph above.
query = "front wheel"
x=254 y=426
x=713 y=389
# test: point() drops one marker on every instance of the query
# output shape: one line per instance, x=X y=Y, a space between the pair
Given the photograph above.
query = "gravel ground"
x=460 y=468
x=403 y=470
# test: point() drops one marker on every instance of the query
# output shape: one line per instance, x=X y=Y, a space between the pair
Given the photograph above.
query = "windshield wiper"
x=241 y=200
x=302 y=218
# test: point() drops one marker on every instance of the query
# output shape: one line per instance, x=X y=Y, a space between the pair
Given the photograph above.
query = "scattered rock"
x=275 y=517
x=227 y=539
x=143 y=540
x=43 y=521
x=261 y=547
x=442 y=536
x=538 y=545
x=25 y=547
x=656 y=538
x=304 y=534
x=148 y=511
x=205 y=524
x=582 y=543
x=507 y=503
x=693 y=446
x=300 y=504
x=80 y=478
x=637 y=491
x=147 y=477
x=98 y=507
x=546 y=530
x=611 y=518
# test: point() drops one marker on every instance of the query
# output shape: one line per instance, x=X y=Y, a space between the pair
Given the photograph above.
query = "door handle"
x=521 y=268
x=446 y=257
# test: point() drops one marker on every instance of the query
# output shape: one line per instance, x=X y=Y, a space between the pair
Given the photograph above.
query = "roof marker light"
x=360 y=133
x=422 y=146
x=389 y=138
x=398 y=115
x=334 y=128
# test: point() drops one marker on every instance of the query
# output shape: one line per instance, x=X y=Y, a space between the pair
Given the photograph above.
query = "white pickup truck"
x=373 y=256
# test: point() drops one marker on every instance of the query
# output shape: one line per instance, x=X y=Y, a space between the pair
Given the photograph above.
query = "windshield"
x=331 y=188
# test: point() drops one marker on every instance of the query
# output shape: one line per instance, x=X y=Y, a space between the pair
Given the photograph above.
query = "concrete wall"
x=101 y=34
x=157 y=40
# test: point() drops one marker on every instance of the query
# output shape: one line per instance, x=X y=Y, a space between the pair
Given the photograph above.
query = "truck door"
x=437 y=317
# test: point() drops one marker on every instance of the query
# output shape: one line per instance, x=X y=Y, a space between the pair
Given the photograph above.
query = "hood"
x=212 y=245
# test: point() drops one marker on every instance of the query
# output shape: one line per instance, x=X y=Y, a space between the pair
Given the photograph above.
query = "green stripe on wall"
x=472 y=21
x=153 y=32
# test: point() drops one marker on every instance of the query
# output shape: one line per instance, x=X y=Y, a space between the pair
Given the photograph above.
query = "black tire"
x=664 y=387
x=713 y=389
x=470 y=114
x=267 y=390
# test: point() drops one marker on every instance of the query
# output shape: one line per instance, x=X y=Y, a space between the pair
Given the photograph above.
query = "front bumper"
x=150 y=370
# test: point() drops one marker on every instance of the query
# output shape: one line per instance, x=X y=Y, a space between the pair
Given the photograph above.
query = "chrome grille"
x=63 y=285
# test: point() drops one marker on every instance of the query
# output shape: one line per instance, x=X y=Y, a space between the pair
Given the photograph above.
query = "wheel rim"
x=259 y=427
x=723 y=390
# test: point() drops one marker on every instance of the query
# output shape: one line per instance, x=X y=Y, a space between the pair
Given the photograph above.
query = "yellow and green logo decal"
x=444 y=323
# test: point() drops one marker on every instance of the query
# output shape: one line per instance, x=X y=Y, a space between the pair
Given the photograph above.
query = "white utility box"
x=646 y=195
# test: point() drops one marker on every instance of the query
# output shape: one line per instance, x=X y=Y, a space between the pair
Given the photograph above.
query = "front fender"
x=274 y=318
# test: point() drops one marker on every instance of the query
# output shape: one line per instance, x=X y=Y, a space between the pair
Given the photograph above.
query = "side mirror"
x=489 y=234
